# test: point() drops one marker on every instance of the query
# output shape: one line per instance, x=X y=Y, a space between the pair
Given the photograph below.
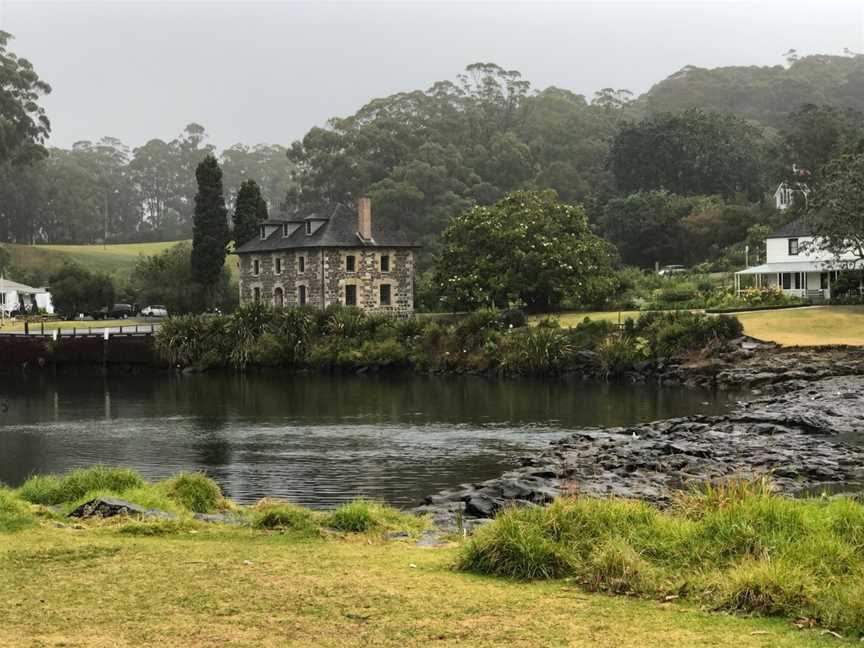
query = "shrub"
x=244 y=327
x=619 y=354
x=471 y=332
x=517 y=546
x=52 y=490
x=614 y=566
x=669 y=334
x=385 y=353
x=360 y=515
x=536 y=350
x=272 y=514
x=195 y=492
x=14 y=515
x=514 y=318
x=343 y=321
x=768 y=587
x=191 y=340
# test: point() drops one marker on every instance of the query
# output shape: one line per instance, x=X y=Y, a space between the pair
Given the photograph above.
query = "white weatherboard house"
x=16 y=296
x=797 y=264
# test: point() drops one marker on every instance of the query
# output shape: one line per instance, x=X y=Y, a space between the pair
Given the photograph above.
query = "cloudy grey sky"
x=268 y=71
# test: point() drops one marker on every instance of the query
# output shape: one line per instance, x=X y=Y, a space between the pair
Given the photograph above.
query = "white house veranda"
x=808 y=279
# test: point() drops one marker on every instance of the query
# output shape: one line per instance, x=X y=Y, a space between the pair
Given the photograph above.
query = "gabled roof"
x=339 y=229
x=798 y=227
x=7 y=285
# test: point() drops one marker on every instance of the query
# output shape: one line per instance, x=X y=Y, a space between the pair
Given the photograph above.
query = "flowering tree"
x=527 y=248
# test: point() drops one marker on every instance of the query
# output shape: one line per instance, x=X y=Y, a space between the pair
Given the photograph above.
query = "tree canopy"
x=690 y=153
x=836 y=209
x=249 y=210
x=210 y=235
x=24 y=126
x=526 y=248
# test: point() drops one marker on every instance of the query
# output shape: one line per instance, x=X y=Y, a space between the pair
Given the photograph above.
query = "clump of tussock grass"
x=363 y=516
x=282 y=516
x=735 y=546
x=147 y=496
x=194 y=491
x=14 y=513
x=52 y=490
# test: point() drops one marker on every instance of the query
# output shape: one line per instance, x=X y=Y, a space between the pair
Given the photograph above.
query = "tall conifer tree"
x=249 y=211
x=210 y=233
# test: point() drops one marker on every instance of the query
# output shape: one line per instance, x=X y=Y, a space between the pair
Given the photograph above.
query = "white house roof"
x=7 y=285
x=801 y=266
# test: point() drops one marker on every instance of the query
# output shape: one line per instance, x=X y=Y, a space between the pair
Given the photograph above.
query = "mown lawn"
x=823 y=325
x=115 y=260
x=816 y=326
x=222 y=587
x=10 y=326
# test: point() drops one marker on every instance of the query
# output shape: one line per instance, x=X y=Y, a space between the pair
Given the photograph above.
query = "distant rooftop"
x=798 y=227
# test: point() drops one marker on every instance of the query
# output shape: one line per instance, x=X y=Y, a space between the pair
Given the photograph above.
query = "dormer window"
x=285 y=229
x=308 y=228
x=262 y=233
x=793 y=247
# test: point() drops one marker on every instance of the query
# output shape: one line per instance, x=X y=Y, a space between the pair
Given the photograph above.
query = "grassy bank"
x=115 y=260
x=734 y=547
x=816 y=326
x=289 y=578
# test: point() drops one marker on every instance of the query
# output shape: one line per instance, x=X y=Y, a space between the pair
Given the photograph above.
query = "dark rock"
x=113 y=506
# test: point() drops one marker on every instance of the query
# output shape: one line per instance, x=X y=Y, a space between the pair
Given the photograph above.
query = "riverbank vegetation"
x=280 y=573
x=486 y=341
x=734 y=547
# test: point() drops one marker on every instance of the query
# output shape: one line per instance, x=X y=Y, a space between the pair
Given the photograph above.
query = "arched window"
x=278 y=298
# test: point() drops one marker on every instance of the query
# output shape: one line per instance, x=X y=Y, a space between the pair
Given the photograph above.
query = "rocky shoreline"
x=807 y=404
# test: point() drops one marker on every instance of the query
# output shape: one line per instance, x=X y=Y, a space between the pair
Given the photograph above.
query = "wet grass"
x=290 y=576
x=735 y=547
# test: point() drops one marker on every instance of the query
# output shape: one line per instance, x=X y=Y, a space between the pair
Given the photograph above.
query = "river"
x=317 y=440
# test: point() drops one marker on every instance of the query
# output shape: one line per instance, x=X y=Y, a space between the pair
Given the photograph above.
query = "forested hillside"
x=694 y=159
x=762 y=94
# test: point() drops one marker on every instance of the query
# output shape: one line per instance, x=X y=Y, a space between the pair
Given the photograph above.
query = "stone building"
x=338 y=257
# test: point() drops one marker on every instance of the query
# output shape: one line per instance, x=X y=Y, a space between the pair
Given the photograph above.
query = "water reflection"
x=315 y=439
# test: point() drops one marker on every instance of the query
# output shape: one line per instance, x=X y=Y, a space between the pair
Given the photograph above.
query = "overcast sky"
x=268 y=71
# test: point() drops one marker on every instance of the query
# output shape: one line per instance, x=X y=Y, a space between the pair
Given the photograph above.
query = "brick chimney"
x=364 y=218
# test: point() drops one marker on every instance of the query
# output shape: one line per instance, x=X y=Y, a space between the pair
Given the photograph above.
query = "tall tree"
x=690 y=153
x=527 y=247
x=249 y=210
x=836 y=209
x=210 y=233
x=815 y=134
x=23 y=123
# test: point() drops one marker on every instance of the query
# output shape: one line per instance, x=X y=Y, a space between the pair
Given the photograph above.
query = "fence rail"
x=78 y=332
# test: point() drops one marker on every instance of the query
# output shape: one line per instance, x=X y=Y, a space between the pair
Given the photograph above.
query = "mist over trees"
x=693 y=160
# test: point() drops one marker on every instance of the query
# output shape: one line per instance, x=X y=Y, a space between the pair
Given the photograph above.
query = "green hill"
x=115 y=260
x=763 y=94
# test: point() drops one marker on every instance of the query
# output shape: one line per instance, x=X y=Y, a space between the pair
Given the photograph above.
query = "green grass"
x=83 y=326
x=823 y=325
x=287 y=580
x=115 y=260
x=170 y=585
x=52 y=490
x=737 y=548
x=194 y=491
x=569 y=319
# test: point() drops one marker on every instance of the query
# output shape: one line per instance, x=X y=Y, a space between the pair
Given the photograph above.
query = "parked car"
x=154 y=311
x=665 y=271
x=117 y=311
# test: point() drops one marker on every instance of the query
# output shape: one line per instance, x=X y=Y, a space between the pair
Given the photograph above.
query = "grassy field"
x=295 y=577
x=808 y=326
x=221 y=587
x=115 y=260
x=817 y=326
x=10 y=326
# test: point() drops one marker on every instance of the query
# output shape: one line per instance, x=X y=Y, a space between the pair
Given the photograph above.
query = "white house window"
x=385 y=263
x=301 y=264
x=790 y=280
x=350 y=263
x=308 y=228
x=256 y=267
x=278 y=265
x=793 y=247
x=384 y=294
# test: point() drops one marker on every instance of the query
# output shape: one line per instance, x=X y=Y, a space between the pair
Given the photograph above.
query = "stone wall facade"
x=325 y=276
